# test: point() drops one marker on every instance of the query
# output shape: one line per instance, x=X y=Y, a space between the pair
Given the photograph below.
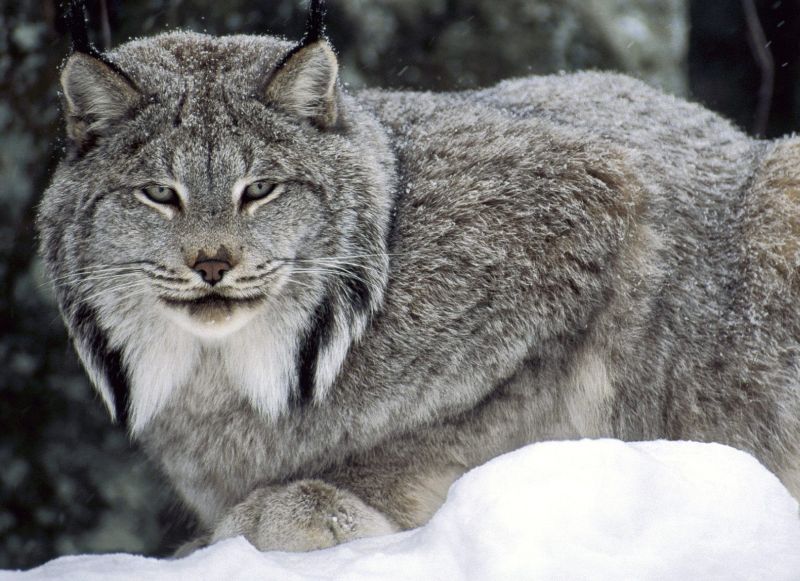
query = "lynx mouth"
x=212 y=316
x=212 y=303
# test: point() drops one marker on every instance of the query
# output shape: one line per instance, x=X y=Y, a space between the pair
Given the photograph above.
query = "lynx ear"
x=305 y=84
x=96 y=96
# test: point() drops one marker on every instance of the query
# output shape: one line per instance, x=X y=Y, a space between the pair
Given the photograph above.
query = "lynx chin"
x=316 y=308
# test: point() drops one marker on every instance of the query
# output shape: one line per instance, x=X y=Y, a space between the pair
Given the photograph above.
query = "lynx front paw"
x=302 y=516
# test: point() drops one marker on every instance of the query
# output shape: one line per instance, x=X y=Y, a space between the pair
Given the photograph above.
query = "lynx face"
x=218 y=200
x=224 y=222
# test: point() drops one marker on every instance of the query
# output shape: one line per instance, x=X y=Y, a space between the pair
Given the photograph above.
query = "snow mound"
x=594 y=509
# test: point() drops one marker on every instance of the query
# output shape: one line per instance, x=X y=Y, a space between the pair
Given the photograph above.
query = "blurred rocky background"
x=69 y=480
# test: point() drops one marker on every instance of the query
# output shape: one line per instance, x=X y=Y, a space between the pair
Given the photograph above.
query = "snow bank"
x=594 y=510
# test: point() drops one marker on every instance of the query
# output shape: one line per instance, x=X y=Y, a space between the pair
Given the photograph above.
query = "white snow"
x=590 y=510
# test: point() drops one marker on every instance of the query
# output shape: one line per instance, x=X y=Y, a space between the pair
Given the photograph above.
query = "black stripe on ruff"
x=107 y=361
x=316 y=337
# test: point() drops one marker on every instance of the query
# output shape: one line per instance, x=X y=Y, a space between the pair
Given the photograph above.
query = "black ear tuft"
x=79 y=29
x=315 y=23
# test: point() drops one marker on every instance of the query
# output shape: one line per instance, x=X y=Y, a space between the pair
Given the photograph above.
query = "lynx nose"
x=211 y=268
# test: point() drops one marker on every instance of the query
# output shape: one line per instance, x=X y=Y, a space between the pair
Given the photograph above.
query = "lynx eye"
x=161 y=194
x=256 y=194
x=257 y=190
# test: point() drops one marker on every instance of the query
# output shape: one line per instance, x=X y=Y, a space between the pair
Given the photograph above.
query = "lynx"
x=315 y=308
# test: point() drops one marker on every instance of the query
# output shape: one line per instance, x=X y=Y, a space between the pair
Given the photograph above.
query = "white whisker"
x=140 y=285
x=80 y=274
x=330 y=271
x=90 y=280
x=334 y=263
x=301 y=283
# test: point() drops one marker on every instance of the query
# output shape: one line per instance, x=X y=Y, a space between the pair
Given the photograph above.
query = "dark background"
x=69 y=480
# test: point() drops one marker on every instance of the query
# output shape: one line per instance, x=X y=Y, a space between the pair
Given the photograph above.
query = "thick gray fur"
x=558 y=257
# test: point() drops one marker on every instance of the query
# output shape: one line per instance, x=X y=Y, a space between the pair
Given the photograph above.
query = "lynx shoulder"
x=315 y=309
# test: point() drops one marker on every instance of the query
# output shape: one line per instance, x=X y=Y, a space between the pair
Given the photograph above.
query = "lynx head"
x=220 y=198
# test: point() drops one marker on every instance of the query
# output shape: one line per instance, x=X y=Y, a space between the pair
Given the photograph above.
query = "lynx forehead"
x=315 y=304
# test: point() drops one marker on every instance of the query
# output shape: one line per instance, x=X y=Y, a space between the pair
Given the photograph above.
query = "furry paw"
x=302 y=516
